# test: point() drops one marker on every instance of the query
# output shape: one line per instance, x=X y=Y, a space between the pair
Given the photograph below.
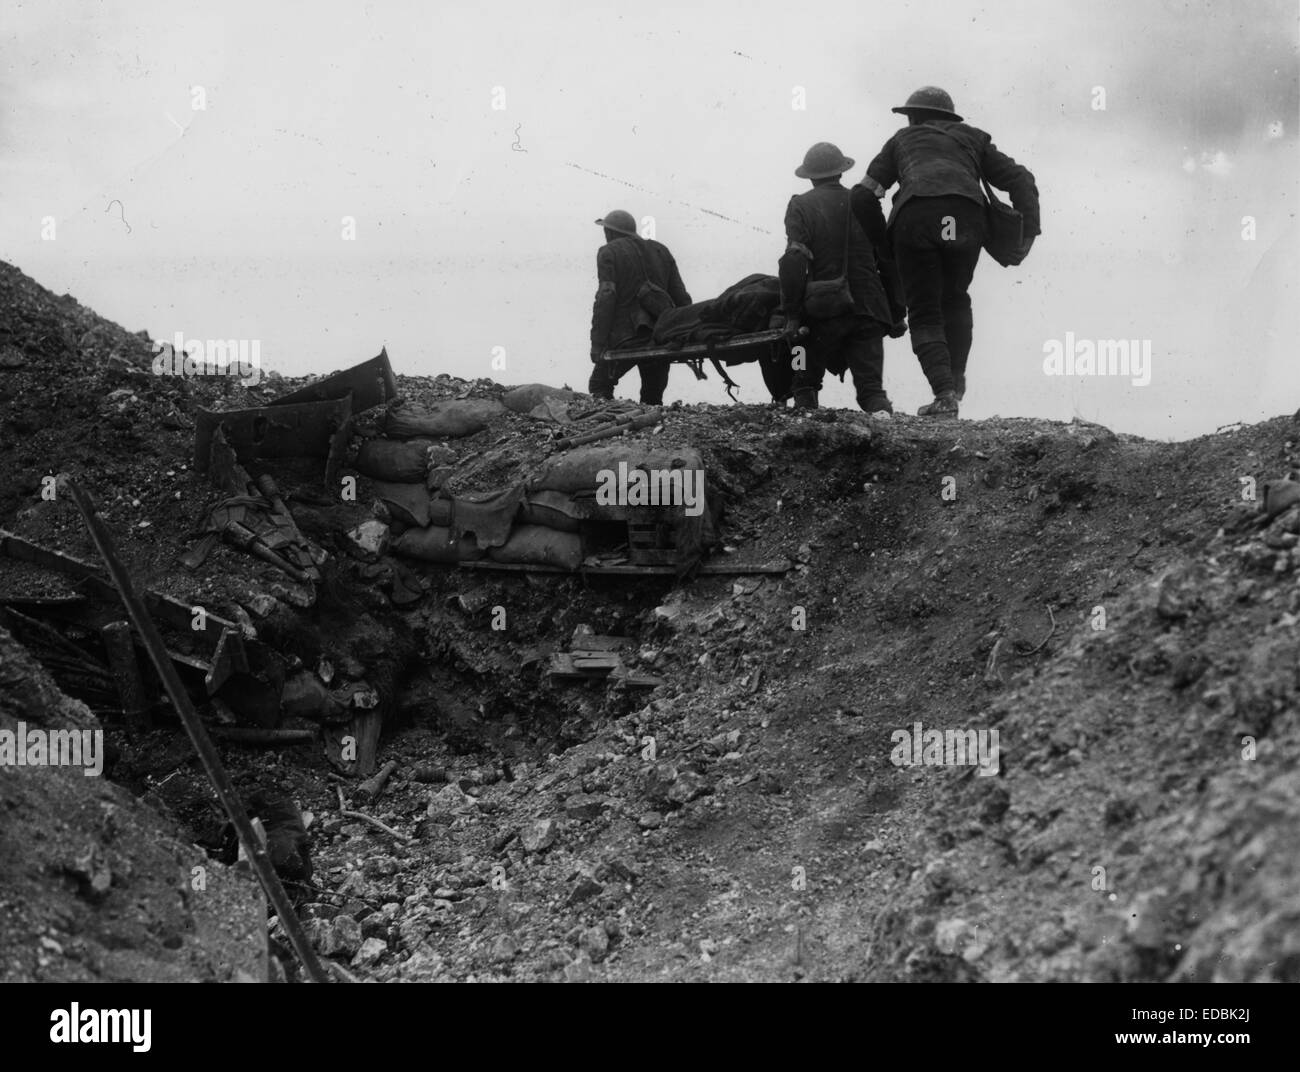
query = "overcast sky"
x=474 y=224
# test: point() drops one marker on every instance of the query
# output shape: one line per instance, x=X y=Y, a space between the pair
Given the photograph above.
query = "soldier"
x=638 y=280
x=827 y=251
x=937 y=226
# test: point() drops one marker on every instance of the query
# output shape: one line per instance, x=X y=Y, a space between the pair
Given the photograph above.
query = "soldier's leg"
x=960 y=259
x=917 y=234
x=809 y=364
x=604 y=378
x=778 y=376
x=866 y=359
x=654 y=380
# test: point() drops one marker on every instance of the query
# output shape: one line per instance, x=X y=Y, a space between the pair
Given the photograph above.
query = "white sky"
x=382 y=112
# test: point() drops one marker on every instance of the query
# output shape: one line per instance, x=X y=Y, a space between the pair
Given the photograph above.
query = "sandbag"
x=532 y=545
x=579 y=469
x=489 y=516
x=407 y=503
x=440 y=511
x=524 y=399
x=412 y=505
x=458 y=417
x=550 y=509
x=434 y=545
x=404 y=462
x=551 y=409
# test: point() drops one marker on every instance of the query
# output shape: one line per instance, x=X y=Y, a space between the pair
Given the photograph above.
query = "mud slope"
x=1111 y=607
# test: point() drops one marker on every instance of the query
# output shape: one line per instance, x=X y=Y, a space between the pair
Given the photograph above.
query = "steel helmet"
x=619 y=221
x=822 y=161
x=929 y=99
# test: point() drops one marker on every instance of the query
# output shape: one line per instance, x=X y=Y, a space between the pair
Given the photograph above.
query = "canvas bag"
x=653 y=299
x=1004 y=236
x=829 y=298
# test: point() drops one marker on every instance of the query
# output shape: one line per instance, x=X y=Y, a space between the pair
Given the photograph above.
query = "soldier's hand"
x=898 y=330
x=596 y=351
x=790 y=330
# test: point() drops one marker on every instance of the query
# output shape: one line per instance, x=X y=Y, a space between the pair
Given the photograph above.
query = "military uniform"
x=937 y=226
x=815 y=234
x=617 y=318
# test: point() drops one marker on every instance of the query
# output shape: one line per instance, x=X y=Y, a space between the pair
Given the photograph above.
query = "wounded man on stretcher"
x=741 y=324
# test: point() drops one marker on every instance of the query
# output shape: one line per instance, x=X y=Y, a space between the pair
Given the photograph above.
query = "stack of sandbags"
x=505 y=527
x=587 y=469
x=501 y=504
x=405 y=451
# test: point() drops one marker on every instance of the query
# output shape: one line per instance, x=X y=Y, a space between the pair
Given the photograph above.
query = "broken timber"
x=311 y=429
x=708 y=569
x=224 y=638
x=217 y=776
x=593 y=657
x=370 y=383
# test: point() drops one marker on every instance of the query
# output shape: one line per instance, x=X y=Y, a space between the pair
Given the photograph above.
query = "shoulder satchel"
x=653 y=299
x=829 y=298
x=1005 y=234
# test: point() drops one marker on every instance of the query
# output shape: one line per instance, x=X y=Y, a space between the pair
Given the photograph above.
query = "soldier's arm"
x=602 y=313
x=1017 y=180
x=866 y=207
x=792 y=268
x=882 y=172
x=676 y=288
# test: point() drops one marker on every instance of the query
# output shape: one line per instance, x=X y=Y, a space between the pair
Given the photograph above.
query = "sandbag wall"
x=448 y=502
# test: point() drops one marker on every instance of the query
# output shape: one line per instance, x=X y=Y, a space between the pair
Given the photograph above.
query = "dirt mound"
x=98 y=887
x=1121 y=613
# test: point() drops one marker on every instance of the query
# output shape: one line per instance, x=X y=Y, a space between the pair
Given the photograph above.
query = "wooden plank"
x=366 y=727
x=595 y=662
x=307 y=429
x=370 y=383
x=172 y=612
x=593 y=643
x=708 y=569
x=126 y=673
x=229 y=659
x=562 y=665
x=256 y=736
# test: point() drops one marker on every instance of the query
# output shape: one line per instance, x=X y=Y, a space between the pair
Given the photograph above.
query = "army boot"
x=944 y=405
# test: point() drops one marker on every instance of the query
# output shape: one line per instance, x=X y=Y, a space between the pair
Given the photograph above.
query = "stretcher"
x=769 y=348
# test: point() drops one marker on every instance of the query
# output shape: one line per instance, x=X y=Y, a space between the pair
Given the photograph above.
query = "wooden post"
x=366 y=727
x=126 y=673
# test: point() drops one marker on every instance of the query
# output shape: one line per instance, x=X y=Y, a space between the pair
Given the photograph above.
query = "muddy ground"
x=1116 y=609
